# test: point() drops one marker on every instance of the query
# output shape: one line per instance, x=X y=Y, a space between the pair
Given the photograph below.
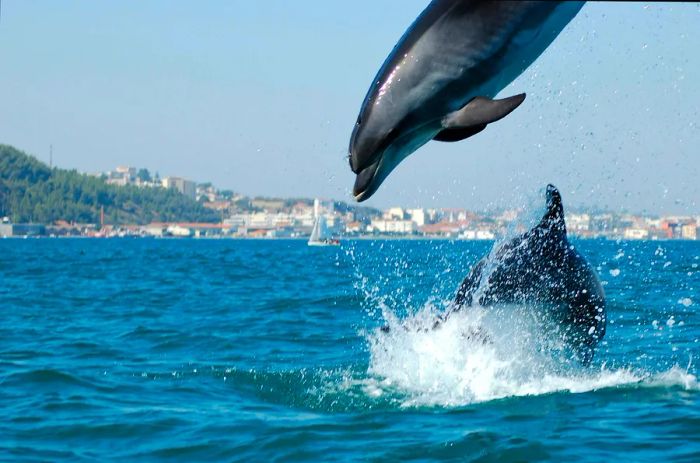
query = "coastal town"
x=245 y=217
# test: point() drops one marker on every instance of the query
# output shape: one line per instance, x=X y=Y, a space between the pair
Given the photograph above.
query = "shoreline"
x=341 y=239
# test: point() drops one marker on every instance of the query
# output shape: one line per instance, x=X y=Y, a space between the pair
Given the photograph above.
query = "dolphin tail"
x=475 y=115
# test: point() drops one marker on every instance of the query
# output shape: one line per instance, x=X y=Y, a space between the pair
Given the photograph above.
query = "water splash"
x=451 y=367
x=480 y=354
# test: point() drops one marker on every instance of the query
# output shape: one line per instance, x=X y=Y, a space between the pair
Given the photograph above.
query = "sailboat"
x=319 y=234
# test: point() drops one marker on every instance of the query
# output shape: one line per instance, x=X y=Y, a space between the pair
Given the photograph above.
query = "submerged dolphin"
x=439 y=80
x=542 y=267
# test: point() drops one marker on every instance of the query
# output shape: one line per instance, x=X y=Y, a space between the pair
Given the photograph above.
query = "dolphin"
x=439 y=81
x=541 y=267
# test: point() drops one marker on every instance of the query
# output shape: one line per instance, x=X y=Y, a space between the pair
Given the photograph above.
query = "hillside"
x=30 y=191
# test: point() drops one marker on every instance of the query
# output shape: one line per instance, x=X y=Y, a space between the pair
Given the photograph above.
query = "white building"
x=393 y=226
x=121 y=176
x=126 y=171
x=652 y=222
x=477 y=235
x=186 y=187
x=417 y=216
x=689 y=231
x=177 y=230
x=260 y=220
x=636 y=234
x=578 y=222
x=393 y=213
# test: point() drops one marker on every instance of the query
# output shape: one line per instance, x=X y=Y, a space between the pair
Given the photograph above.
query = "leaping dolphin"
x=541 y=267
x=439 y=80
x=542 y=271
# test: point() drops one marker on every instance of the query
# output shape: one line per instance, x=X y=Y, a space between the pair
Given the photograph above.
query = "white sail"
x=316 y=232
x=319 y=234
x=323 y=228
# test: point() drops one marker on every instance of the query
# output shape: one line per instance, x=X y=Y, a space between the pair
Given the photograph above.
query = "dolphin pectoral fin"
x=475 y=115
x=449 y=135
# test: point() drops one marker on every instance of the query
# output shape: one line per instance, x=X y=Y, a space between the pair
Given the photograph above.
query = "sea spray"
x=475 y=354
x=450 y=366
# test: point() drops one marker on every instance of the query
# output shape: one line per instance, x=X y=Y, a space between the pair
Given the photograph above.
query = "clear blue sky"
x=261 y=97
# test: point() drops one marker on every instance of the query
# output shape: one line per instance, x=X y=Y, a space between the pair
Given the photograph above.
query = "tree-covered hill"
x=30 y=191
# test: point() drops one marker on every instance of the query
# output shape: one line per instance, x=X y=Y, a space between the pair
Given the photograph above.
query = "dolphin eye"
x=359 y=120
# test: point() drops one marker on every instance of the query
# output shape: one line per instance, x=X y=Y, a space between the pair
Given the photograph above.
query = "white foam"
x=449 y=366
x=674 y=377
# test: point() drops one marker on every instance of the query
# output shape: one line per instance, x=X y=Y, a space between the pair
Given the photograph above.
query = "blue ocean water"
x=230 y=350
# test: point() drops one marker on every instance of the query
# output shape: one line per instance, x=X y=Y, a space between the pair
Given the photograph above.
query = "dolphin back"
x=541 y=266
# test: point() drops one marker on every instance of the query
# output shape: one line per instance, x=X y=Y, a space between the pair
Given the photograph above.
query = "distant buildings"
x=402 y=227
x=578 y=223
x=635 y=234
x=21 y=229
x=417 y=216
x=477 y=235
x=689 y=231
x=296 y=221
x=121 y=176
x=186 y=187
x=274 y=218
x=179 y=231
x=125 y=175
x=679 y=227
x=443 y=229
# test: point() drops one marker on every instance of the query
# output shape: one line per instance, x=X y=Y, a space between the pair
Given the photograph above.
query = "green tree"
x=144 y=175
x=29 y=190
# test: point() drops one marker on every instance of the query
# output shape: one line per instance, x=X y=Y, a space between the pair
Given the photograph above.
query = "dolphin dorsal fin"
x=553 y=218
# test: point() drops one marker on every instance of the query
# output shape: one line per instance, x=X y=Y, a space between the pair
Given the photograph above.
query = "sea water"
x=237 y=350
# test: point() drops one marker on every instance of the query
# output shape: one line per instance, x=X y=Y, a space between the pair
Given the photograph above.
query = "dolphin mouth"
x=363 y=182
x=371 y=177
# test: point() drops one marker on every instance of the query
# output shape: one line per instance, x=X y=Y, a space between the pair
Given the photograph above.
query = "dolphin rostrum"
x=439 y=81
